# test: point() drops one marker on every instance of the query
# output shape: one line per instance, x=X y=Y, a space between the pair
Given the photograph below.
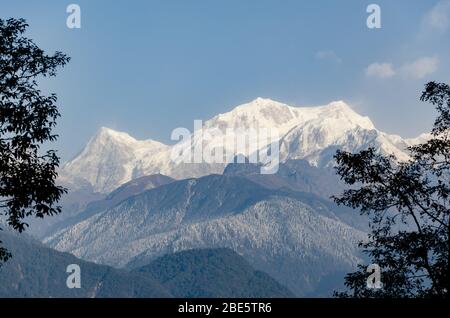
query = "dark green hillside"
x=212 y=273
x=38 y=271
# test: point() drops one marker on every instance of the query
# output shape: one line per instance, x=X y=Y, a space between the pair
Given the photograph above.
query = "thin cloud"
x=438 y=18
x=417 y=69
x=421 y=67
x=328 y=55
x=380 y=70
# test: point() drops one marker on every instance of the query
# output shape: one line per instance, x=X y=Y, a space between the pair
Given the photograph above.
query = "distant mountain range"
x=295 y=237
x=132 y=208
x=38 y=271
x=112 y=158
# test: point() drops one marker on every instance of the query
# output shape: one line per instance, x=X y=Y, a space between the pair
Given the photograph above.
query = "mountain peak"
x=341 y=110
x=263 y=101
x=112 y=157
x=268 y=113
x=105 y=130
x=343 y=107
x=258 y=104
x=261 y=104
x=105 y=134
x=339 y=104
x=108 y=133
x=260 y=112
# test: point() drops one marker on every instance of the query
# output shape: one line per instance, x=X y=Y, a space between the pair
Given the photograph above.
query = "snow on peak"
x=419 y=139
x=342 y=111
x=105 y=134
x=267 y=113
x=339 y=107
x=260 y=102
x=259 y=113
x=112 y=158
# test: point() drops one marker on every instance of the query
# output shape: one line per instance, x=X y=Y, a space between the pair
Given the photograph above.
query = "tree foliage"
x=408 y=207
x=27 y=117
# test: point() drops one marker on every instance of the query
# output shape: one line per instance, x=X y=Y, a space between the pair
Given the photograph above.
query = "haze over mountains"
x=112 y=158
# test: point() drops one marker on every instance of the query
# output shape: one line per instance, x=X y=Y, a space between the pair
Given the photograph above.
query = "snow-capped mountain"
x=300 y=239
x=297 y=238
x=112 y=158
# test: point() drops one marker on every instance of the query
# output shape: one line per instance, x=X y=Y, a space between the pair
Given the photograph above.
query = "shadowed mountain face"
x=212 y=273
x=295 y=237
x=38 y=271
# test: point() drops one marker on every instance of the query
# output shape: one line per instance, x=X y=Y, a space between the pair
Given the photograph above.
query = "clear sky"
x=146 y=67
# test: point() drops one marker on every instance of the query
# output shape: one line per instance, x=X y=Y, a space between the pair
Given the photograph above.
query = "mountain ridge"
x=283 y=233
x=112 y=158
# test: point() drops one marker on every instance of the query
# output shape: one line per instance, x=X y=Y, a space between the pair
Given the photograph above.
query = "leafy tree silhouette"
x=408 y=208
x=27 y=174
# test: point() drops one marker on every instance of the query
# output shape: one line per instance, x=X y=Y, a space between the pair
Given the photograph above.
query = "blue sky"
x=146 y=67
